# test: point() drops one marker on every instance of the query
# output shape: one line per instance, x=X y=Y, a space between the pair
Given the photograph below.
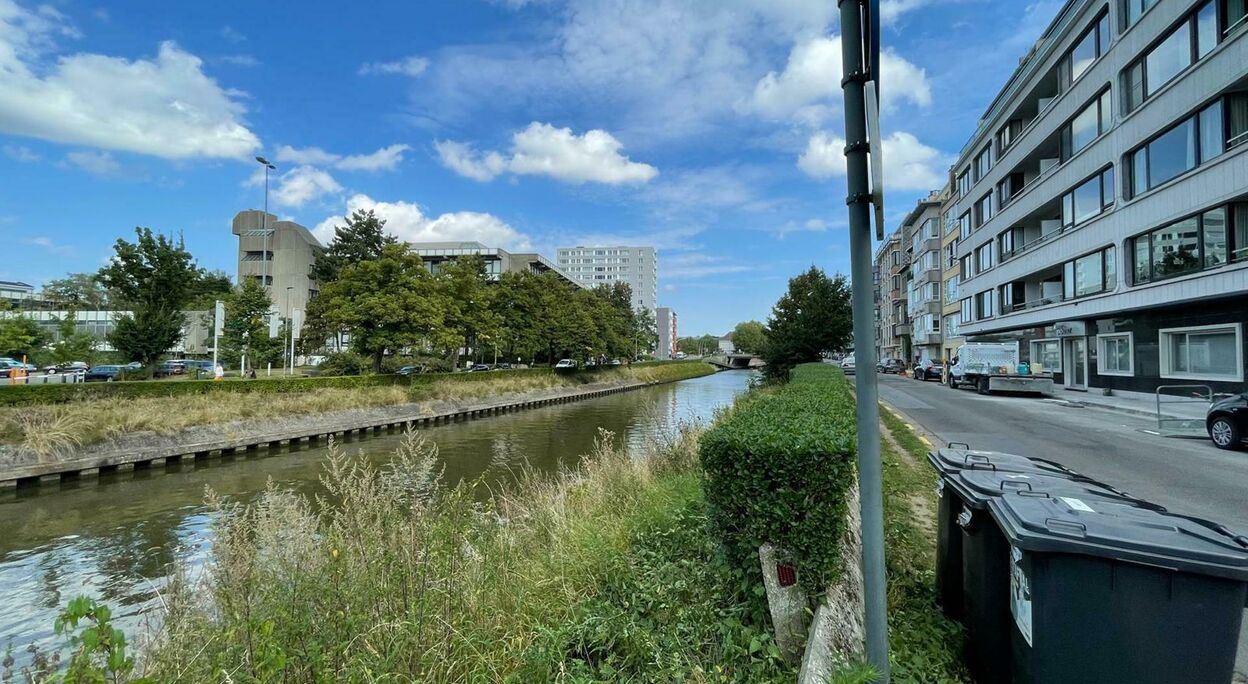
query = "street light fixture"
x=264 y=224
x=290 y=329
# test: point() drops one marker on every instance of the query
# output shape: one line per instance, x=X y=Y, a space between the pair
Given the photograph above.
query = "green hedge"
x=778 y=467
x=23 y=395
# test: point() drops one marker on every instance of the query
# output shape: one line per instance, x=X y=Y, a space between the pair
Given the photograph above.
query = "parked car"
x=103 y=374
x=478 y=368
x=1227 y=421
x=930 y=370
x=503 y=366
x=171 y=368
x=891 y=366
x=134 y=366
x=68 y=367
x=847 y=363
x=565 y=363
x=614 y=362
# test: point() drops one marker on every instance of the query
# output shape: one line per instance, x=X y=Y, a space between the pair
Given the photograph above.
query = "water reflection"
x=115 y=538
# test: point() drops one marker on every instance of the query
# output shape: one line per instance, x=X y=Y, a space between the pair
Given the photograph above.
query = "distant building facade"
x=16 y=294
x=637 y=266
x=282 y=262
x=922 y=229
x=951 y=307
x=665 y=321
x=497 y=261
x=725 y=344
x=892 y=332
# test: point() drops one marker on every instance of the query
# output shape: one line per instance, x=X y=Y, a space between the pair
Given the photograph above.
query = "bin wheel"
x=1225 y=433
x=982 y=388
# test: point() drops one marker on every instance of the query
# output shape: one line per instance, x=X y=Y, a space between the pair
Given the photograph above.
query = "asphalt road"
x=1185 y=475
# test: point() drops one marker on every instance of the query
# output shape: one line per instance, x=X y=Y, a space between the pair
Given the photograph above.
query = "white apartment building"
x=923 y=290
x=636 y=266
x=1102 y=203
x=665 y=324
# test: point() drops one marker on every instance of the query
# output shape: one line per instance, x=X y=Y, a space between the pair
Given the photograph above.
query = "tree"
x=749 y=337
x=77 y=292
x=387 y=303
x=19 y=336
x=154 y=278
x=705 y=344
x=247 y=327
x=812 y=317
x=206 y=288
x=468 y=296
x=361 y=239
x=645 y=331
x=73 y=345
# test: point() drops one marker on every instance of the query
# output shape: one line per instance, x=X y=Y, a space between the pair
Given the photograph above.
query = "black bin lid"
x=976 y=486
x=947 y=460
x=1121 y=532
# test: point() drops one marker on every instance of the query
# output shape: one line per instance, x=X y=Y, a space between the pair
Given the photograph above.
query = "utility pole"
x=264 y=225
x=857 y=73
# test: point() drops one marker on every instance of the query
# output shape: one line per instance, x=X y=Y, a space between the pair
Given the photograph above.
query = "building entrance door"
x=1076 y=363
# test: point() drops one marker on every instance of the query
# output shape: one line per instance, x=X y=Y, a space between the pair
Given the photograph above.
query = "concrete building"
x=726 y=346
x=636 y=266
x=951 y=312
x=497 y=261
x=196 y=331
x=291 y=250
x=892 y=325
x=16 y=294
x=922 y=231
x=665 y=321
x=1102 y=203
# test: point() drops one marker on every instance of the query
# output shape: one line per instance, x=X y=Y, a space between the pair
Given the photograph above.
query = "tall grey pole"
x=870 y=482
x=264 y=232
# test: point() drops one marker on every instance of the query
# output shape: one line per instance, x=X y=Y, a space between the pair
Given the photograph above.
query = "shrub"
x=778 y=468
x=344 y=363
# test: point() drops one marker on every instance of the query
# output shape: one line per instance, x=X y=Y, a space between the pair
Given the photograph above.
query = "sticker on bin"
x=1077 y=504
x=1020 y=594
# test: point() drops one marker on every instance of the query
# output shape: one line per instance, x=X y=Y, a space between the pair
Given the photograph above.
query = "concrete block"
x=125 y=467
x=787 y=605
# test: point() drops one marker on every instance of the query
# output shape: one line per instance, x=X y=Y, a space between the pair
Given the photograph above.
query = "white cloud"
x=239 y=60
x=96 y=163
x=297 y=187
x=408 y=66
x=890 y=10
x=810 y=86
x=231 y=34
x=47 y=244
x=908 y=163
x=695 y=265
x=542 y=149
x=21 y=153
x=164 y=106
x=384 y=159
x=406 y=221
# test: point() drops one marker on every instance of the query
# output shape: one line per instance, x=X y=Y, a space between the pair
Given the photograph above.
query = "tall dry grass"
x=390 y=576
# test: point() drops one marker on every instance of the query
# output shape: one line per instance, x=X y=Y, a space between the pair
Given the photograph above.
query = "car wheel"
x=982 y=388
x=1225 y=433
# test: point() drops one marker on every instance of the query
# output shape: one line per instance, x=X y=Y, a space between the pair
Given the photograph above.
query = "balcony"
x=928 y=338
x=1035 y=290
x=931 y=275
x=901 y=329
x=930 y=306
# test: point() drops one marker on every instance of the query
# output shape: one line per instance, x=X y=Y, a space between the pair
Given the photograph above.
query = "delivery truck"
x=995 y=367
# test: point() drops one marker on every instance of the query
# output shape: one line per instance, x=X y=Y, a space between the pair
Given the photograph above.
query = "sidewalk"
x=1134 y=403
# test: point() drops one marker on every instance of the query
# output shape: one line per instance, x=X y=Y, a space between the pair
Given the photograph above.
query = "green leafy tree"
x=812 y=317
x=77 y=292
x=645 y=331
x=361 y=239
x=468 y=297
x=206 y=288
x=247 y=327
x=704 y=344
x=387 y=303
x=749 y=337
x=154 y=277
x=73 y=345
x=20 y=336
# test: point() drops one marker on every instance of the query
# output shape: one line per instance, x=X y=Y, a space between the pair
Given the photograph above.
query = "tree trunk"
x=377 y=355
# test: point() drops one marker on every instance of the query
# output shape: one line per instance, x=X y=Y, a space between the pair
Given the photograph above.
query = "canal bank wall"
x=154 y=450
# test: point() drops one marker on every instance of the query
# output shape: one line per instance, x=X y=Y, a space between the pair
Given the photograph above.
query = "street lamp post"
x=264 y=225
x=290 y=329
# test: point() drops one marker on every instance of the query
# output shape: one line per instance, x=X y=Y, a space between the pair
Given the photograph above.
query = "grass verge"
x=48 y=428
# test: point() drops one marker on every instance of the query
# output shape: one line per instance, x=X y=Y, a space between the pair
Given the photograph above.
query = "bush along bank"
x=55 y=430
x=779 y=468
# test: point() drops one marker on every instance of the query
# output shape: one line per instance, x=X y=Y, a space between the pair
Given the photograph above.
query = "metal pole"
x=264 y=232
x=290 y=329
x=869 y=469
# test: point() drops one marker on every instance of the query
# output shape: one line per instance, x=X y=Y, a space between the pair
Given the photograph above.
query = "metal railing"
x=1195 y=395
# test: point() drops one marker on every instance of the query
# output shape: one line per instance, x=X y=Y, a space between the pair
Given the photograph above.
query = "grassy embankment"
x=105 y=410
x=612 y=572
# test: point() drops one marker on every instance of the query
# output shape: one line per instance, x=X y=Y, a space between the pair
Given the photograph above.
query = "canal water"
x=116 y=538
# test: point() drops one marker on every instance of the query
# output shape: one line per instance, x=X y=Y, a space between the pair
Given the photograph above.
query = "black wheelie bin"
x=948 y=537
x=1106 y=592
x=986 y=556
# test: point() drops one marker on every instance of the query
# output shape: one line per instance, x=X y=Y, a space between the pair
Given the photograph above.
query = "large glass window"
x=1088 y=199
x=1176 y=248
x=964 y=183
x=951 y=291
x=1202 y=353
x=1206 y=240
x=1213 y=237
x=1187 y=42
x=1172 y=153
x=983 y=210
x=968 y=267
x=1089 y=274
x=1132 y=9
x=968 y=310
x=983 y=305
x=1235 y=13
x=1190 y=143
x=983 y=257
x=964 y=226
x=1168 y=58
x=1091 y=44
x=1114 y=355
x=983 y=163
x=1046 y=356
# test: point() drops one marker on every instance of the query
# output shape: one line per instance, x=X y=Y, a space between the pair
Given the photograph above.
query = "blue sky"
x=710 y=130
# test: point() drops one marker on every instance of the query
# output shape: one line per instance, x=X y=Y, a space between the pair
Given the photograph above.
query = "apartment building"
x=497 y=261
x=922 y=228
x=951 y=307
x=277 y=254
x=892 y=332
x=636 y=266
x=665 y=322
x=1102 y=203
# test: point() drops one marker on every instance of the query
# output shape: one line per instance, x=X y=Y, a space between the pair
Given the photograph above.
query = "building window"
x=1234 y=14
x=953 y=327
x=1132 y=10
x=983 y=305
x=1191 y=244
x=1086 y=126
x=1012 y=297
x=1008 y=241
x=968 y=310
x=983 y=210
x=964 y=225
x=1007 y=135
x=1088 y=199
x=1208 y=352
x=983 y=257
x=964 y=183
x=1089 y=274
x=951 y=291
x=1046 y=355
x=1090 y=46
x=1114 y=354
x=1008 y=188
x=1189 y=41
x=951 y=255
x=983 y=163
x=968 y=267
x=1189 y=143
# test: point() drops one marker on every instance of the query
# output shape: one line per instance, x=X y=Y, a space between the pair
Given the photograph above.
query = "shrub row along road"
x=1187 y=476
